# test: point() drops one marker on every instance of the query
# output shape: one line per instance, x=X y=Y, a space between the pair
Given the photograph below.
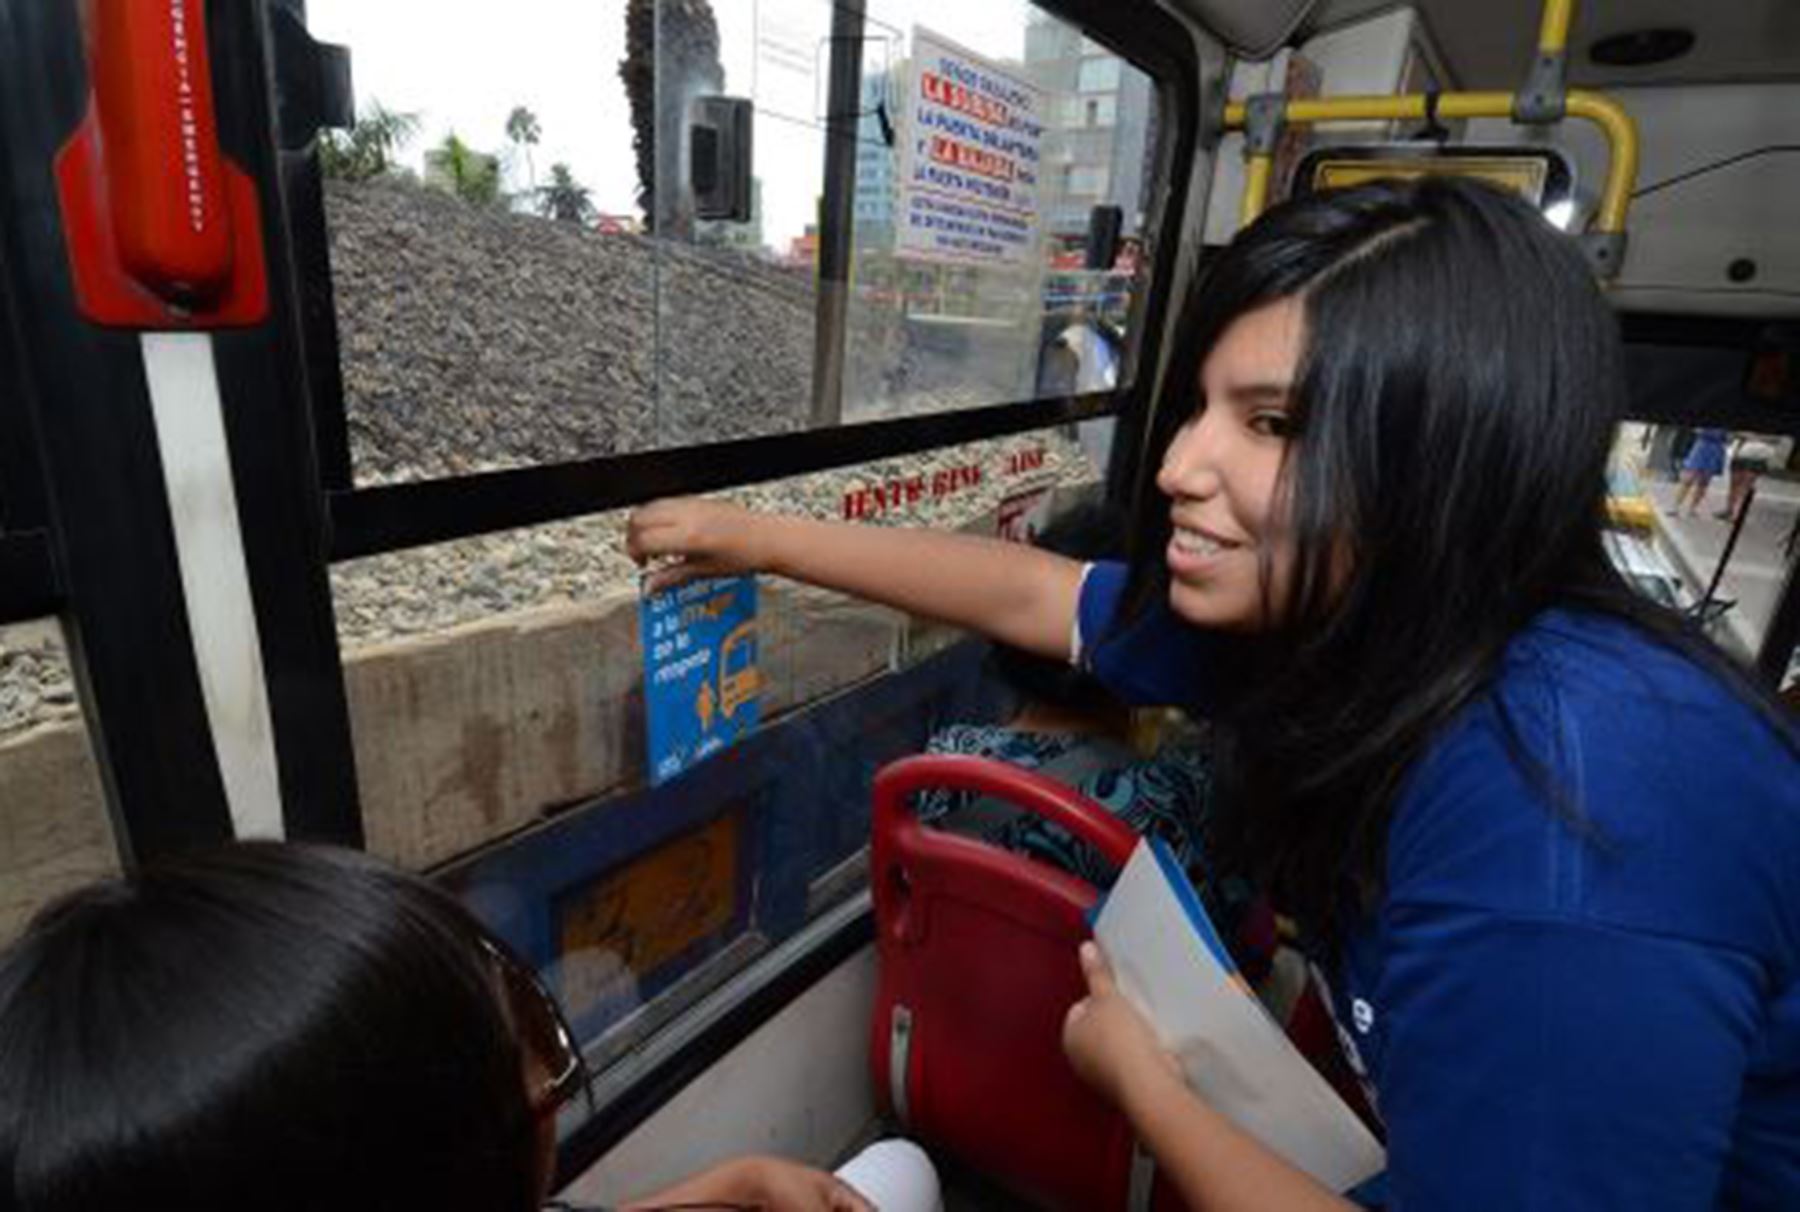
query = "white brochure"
x=1171 y=964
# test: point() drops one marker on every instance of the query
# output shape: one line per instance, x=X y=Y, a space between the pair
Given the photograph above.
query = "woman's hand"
x=705 y=538
x=1109 y=1044
x=783 y=1186
x=1210 y=1161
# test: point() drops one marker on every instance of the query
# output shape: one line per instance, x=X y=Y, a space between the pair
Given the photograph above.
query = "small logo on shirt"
x=1362 y=1014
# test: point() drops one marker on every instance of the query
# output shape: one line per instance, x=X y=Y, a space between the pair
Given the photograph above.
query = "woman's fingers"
x=657 y=529
x=679 y=572
x=1097 y=971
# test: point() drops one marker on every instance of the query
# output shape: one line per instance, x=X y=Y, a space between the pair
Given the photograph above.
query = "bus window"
x=517 y=254
x=488 y=263
x=1718 y=524
x=55 y=833
x=496 y=700
x=492 y=679
x=1709 y=466
x=958 y=302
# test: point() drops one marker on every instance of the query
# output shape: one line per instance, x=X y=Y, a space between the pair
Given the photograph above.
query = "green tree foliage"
x=565 y=199
x=367 y=150
x=471 y=175
x=659 y=83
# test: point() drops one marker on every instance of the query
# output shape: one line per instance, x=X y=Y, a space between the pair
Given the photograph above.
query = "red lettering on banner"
x=971 y=159
x=943 y=92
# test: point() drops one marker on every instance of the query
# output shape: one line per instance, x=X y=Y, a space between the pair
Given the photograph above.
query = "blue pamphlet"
x=702 y=681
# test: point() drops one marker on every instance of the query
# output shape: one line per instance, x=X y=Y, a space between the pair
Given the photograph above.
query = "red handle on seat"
x=1035 y=793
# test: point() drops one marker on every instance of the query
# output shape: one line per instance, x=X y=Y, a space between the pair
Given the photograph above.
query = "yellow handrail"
x=1553 y=34
x=1617 y=125
x=1257 y=172
x=1622 y=142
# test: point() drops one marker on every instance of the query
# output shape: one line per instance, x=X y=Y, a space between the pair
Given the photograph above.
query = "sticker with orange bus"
x=702 y=679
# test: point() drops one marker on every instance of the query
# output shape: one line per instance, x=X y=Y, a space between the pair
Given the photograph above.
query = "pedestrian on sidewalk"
x=1705 y=459
x=1750 y=457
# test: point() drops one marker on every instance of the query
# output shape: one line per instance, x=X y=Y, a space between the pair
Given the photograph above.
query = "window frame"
x=381 y=518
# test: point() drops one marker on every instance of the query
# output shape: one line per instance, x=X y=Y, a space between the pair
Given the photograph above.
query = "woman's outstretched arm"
x=1008 y=592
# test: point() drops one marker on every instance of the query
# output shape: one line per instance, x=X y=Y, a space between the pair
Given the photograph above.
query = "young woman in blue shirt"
x=1546 y=840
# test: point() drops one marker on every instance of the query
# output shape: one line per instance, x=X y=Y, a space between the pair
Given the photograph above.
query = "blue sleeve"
x=1155 y=660
x=1554 y=1064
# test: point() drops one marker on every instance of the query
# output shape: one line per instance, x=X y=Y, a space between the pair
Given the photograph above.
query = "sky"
x=463 y=66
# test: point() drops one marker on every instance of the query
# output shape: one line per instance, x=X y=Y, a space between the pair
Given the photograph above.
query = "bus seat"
x=977 y=963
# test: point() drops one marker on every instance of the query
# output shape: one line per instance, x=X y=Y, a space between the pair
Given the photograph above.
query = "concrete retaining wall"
x=54 y=832
x=464 y=737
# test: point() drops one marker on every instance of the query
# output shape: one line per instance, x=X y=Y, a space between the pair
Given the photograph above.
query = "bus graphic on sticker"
x=739 y=680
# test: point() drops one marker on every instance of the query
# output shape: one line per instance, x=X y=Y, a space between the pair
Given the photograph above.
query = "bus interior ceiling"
x=1485 y=45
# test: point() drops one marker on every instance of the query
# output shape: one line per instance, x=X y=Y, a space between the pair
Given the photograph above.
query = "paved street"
x=1758 y=565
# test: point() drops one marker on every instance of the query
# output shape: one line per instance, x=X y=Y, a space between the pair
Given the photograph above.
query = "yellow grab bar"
x=1617 y=125
x=1553 y=35
x=1622 y=143
x=1257 y=172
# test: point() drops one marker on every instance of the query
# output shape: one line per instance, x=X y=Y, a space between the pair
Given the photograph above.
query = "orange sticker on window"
x=619 y=932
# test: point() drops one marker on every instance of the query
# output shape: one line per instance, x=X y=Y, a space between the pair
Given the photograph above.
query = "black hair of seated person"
x=1087 y=533
x=268 y=1027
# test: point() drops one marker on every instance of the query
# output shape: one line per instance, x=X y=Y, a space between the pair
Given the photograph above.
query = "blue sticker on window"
x=702 y=680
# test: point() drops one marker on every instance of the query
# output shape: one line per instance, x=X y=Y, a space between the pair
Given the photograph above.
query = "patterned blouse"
x=1168 y=796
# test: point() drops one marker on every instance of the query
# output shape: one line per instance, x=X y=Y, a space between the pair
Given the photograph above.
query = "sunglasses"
x=542 y=1031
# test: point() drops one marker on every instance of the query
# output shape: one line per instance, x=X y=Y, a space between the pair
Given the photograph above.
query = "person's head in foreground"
x=284 y=1027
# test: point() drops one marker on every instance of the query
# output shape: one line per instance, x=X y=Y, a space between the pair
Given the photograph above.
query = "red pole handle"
x=164 y=232
x=1037 y=794
x=153 y=92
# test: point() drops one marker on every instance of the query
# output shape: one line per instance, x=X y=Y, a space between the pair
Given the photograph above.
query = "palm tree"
x=471 y=175
x=368 y=149
x=523 y=130
x=565 y=199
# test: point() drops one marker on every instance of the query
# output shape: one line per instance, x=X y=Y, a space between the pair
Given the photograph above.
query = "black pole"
x=837 y=210
x=1737 y=528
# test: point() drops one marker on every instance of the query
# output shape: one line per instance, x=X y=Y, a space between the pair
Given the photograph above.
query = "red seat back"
x=977 y=952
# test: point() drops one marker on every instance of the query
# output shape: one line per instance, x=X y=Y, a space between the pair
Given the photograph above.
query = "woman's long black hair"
x=269 y=1027
x=1454 y=407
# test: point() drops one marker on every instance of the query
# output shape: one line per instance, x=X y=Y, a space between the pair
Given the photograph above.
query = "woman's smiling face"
x=1222 y=475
